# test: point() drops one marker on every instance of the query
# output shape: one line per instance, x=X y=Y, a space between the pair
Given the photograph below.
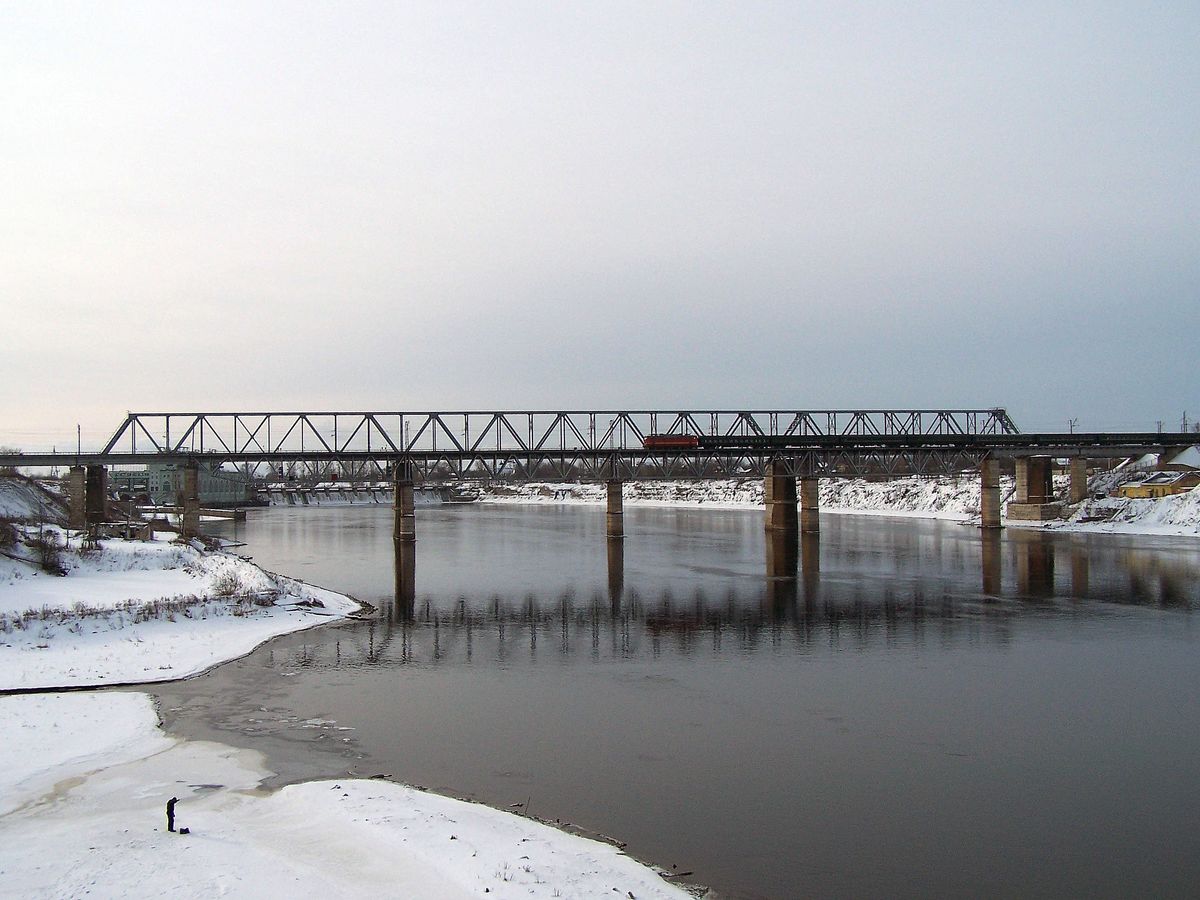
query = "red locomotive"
x=671 y=442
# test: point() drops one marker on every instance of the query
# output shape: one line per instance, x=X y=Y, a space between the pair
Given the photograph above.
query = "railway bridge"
x=789 y=449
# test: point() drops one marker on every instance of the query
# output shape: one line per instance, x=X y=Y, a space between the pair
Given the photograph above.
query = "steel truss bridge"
x=591 y=444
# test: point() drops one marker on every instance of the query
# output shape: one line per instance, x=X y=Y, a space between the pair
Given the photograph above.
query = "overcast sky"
x=228 y=206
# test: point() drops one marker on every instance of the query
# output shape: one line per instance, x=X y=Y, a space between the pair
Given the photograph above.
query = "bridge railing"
x=518 y=432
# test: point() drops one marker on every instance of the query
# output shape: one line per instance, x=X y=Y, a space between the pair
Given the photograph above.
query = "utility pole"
x=1071 y=423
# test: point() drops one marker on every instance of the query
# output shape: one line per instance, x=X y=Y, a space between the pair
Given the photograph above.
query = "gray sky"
x=536 y=205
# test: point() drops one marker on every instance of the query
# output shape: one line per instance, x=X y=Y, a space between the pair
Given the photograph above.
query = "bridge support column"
x=1079 y=467
x=989 y=493
x=403 y=508
x=1034 y=496
x=614 y=520
x=96 y=497
x=87 y=494
x=77 y=497
x=779 y=495
x=810 y=505
x=189 y=501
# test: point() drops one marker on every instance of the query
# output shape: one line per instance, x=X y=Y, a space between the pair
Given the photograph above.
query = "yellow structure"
x=1160 y=484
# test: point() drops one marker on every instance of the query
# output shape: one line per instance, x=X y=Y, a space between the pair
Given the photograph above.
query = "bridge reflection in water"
x=793 y=608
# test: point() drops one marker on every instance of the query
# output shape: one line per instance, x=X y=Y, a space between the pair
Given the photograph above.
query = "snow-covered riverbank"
x=85 y=778
x=140 y=611
x=952 y=498
x=946 y=498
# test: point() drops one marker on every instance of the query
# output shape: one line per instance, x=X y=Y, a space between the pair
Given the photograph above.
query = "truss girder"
x=269 y=433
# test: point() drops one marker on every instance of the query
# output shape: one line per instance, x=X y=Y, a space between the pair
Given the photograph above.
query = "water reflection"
x=616 y=572
x=792 y=607
x=1035 y=564
x=405 y=568
x=989 y=539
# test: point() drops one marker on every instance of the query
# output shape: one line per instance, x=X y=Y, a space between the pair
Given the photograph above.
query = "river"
x=922 y=710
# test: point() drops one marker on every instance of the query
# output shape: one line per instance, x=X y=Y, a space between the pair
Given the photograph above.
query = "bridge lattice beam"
x=240 y=433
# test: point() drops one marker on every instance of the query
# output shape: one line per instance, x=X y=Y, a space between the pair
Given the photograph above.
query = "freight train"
x=683 y=442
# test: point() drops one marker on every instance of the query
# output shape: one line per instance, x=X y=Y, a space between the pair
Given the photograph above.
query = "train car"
x=670 y=442
x=740 y=442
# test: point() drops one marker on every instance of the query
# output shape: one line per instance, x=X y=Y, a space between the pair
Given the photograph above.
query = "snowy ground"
x=946 y=498
x=1179 y=514
x=85 y=776
x=141 y=611
x=85 y=780
x=954 y=498
x=26 y=500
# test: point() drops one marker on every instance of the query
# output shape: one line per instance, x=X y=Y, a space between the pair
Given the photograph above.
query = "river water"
x=919 y=710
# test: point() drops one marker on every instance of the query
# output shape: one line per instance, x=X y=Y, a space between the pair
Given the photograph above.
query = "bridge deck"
x=599 y=444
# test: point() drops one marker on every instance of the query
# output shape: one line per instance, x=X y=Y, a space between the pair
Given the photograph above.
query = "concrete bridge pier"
x=87 y=495
x=1033 y=499
x=810 y=505
x=989 y=494
x=77 y=497
x=189 y=501
x=779 y=496
x=614 y=520
x=1078 y=491
x=404 y=513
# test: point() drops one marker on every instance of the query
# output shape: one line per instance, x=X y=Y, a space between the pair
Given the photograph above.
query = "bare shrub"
x=8 y=534
x=49 y=552
x=268 y=598
x=228 y=584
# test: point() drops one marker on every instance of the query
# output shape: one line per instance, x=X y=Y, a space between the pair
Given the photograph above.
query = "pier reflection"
x=992 y=576
x=616 y=573
x=796 y=604
x=1035 y=564
x=405 y=567
x=783 y=557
